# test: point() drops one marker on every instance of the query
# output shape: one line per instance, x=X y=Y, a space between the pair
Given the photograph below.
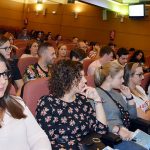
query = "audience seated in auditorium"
x=61 y=51
x=122 y=56
x=82 y=45
x=18 y=128
x=131 y=51
x=133 y=77
x=117 y=110
x=65 y=115
x=77 y=54
x=40 y=37
x=24 y=35
x=10 y=36
x=95 y=49
x=113 y=46
x=5 y=50
x=31 y=49
x=75 y=40
x=58 y=38
x=138 y=56
x=41 y=69
x=48 y=37
x=105 y=55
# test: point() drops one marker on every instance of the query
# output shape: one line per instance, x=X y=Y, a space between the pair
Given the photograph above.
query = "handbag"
x=92 y=142
x=95 y=141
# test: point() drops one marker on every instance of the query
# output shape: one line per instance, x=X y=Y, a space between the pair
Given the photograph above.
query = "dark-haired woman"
x=138 y=56
x=31 y=49
x=18 y=128
x=5 y=50
x=65 y=114
x=118 y=111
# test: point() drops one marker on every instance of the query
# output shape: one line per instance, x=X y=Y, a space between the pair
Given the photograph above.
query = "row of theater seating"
x=21 y=44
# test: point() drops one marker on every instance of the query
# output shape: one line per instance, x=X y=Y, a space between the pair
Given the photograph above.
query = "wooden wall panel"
x=89 y=24
x=11 y=13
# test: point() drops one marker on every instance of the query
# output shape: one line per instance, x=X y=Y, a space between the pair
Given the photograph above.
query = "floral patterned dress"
x=67 y=123
x=34 y=71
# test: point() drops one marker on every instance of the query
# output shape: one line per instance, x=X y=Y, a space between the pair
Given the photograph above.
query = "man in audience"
x=77 y=55
x=5 y=50
x=82 y=45
x=122 y=56
x=41 y=69
x=105 y=54
x=24 y=35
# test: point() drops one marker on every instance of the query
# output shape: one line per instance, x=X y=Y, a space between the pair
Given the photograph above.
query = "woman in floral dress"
x=66 y=115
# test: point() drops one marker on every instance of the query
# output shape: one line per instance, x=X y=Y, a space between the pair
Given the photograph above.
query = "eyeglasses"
x=6 y=74
x=140 y=75
x=6 y=48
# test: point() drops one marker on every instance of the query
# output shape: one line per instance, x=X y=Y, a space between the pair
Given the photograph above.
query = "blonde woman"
x=118 y=111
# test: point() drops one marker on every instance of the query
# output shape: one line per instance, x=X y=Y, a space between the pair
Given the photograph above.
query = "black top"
x=15 y=73
x=67 y=123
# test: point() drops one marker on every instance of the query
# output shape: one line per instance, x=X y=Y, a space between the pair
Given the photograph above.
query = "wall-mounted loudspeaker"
x=71 y=1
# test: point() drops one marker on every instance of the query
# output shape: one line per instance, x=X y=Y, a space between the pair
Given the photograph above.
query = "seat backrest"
x=33 y=91
x=145 y=81
x=23 y=63
x=90 y=81
x=12 y=90
x=86 y=64
x=147 y=61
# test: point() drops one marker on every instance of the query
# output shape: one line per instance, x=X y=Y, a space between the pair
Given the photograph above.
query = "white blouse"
x=22 y=134
x=141 y=102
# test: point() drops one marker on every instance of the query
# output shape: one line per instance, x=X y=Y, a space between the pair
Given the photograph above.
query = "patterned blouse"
x=34 y=71
x=67 y=123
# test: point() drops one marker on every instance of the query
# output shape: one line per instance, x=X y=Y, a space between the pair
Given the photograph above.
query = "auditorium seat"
x=12 y=90
x=86 y=64
x=23 y=63
x=147 y=61
x=145 y=81
x=33 y=91
x=90 y=81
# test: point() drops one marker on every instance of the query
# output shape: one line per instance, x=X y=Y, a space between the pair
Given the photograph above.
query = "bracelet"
x=128 y=99
x=97 y=102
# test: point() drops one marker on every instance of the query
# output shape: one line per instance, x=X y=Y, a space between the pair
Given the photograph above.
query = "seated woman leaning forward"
x=18 y=128
x=65 y=114
x=133 y=76
x=117 y=110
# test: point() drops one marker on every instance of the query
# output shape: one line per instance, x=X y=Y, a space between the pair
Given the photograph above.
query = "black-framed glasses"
x=140 y=74
x=6 y=74
x=6 y=48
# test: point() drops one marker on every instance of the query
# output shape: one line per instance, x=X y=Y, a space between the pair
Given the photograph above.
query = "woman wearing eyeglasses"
x=5 y=50
x=133 y=75
x=10 y=36
x=18 y=128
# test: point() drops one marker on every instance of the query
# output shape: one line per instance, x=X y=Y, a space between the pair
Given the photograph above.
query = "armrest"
x=141 y=124
x=111 y=139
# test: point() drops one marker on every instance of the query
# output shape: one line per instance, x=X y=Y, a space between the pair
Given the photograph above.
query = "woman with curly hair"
x=65 y=114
